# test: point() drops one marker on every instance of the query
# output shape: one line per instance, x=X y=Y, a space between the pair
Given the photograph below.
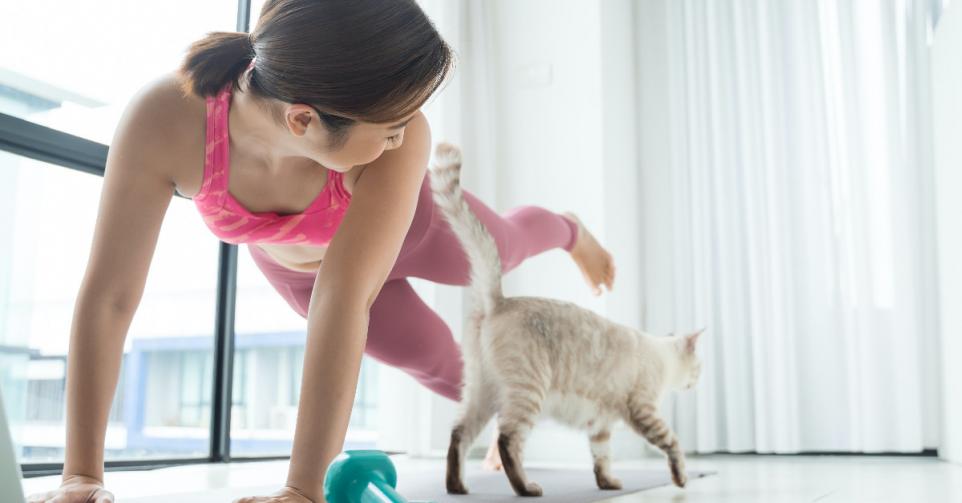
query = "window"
x=268 y=363
x=73 y=66
x=161 y=405
x=76 y=80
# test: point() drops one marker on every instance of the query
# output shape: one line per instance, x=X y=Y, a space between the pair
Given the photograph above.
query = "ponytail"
x=215 y=60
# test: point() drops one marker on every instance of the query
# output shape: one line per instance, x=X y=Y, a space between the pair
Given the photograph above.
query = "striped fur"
x=525 y=357
x=601 y=453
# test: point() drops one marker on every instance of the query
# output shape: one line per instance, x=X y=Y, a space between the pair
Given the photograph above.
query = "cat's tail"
x=478 y=244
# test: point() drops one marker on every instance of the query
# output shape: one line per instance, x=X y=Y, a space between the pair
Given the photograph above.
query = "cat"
x=528 y=356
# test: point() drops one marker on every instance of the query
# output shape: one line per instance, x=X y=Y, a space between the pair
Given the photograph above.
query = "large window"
x=75 y=80
x=47 y=217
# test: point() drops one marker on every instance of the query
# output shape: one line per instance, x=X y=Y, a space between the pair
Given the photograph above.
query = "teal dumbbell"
x=362 y=477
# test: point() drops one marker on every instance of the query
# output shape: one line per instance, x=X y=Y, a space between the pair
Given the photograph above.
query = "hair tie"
x=251 y=64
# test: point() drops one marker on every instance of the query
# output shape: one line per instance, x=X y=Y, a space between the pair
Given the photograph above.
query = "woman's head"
x=348 y=66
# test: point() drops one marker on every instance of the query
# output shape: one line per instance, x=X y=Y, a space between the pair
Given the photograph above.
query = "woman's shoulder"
x=169 y=125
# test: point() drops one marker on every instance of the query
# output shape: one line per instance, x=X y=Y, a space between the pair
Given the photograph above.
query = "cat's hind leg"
x=478 y=405
x=600 y=451
x=478 y=408
x=521 y=407
x=644 y=419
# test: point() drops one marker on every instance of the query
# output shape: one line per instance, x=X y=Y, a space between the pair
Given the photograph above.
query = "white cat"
x=527 y=356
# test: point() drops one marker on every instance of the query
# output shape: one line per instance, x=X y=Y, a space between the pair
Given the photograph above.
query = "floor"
x=743 y=479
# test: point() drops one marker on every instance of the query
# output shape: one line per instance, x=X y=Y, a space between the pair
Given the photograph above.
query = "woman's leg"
x=405 y=333
x=519 y=233
x=402 y=331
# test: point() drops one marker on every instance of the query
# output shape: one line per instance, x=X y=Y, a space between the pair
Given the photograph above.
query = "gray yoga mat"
x=559 y=485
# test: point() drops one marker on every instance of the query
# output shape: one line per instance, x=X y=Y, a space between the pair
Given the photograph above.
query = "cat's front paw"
x=531 y=489
x=678 y=475
x=609 y=484
x=457 y=488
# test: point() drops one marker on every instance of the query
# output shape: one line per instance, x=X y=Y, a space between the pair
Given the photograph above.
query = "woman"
x=305 y=141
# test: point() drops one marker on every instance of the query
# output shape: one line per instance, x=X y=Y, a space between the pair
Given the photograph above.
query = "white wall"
x=568 y=144
x=947 y=111
x=561 y=79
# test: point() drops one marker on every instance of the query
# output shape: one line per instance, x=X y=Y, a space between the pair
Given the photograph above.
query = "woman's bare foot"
x=596 y=264
x=492 y=460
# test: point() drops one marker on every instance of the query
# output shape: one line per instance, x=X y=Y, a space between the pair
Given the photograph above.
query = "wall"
x=560 y=113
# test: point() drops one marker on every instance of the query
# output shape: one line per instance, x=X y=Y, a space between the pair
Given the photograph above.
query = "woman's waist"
x=301 y=258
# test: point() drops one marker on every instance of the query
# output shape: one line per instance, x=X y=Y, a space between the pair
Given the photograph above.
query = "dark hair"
x=367 y=60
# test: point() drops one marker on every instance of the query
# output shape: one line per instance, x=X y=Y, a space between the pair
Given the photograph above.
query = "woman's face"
x=364 y=141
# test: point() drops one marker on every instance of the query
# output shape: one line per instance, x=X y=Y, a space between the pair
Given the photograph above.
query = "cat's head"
x=689 y=365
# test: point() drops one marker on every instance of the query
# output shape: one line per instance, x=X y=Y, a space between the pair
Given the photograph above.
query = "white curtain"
x=947 y=121
x=784 y=180
x=791 y=215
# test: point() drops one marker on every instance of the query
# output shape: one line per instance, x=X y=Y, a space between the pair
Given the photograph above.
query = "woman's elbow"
x=345 y=299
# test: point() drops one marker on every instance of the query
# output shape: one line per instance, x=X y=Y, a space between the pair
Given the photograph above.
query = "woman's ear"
x=298 y=116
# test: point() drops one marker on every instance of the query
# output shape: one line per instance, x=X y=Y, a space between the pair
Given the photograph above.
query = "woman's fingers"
x=40 y=497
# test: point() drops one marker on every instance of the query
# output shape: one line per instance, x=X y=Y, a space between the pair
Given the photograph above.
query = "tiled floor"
x=742 y=479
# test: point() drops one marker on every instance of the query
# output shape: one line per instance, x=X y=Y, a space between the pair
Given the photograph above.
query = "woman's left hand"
x=284 y=495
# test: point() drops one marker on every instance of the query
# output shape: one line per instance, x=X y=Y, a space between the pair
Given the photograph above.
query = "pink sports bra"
x=233 y=223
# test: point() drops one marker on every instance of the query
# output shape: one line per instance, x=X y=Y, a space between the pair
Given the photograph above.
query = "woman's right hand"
x=286 y=494
x=75 y=489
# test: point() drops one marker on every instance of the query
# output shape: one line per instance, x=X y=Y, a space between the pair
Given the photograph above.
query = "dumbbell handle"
x=379 y=491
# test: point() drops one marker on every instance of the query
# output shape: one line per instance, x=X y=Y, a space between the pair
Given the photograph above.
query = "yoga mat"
x=559 y=485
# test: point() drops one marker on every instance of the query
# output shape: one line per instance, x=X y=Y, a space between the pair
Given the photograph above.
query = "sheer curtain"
x=788 y=209
x=784 y=183
x=947 y=120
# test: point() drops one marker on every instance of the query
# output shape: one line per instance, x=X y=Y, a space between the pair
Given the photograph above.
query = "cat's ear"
x=691 y=340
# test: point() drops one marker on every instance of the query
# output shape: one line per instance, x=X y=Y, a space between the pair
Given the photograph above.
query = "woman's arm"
x=134 y=199
x=355 y=266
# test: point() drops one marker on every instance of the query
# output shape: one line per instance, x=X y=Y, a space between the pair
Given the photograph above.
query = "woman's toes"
x=492 y=461
x=610 y=273
x=595 y=262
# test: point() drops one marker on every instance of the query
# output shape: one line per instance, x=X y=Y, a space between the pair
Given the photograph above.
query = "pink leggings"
x=402 y=330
